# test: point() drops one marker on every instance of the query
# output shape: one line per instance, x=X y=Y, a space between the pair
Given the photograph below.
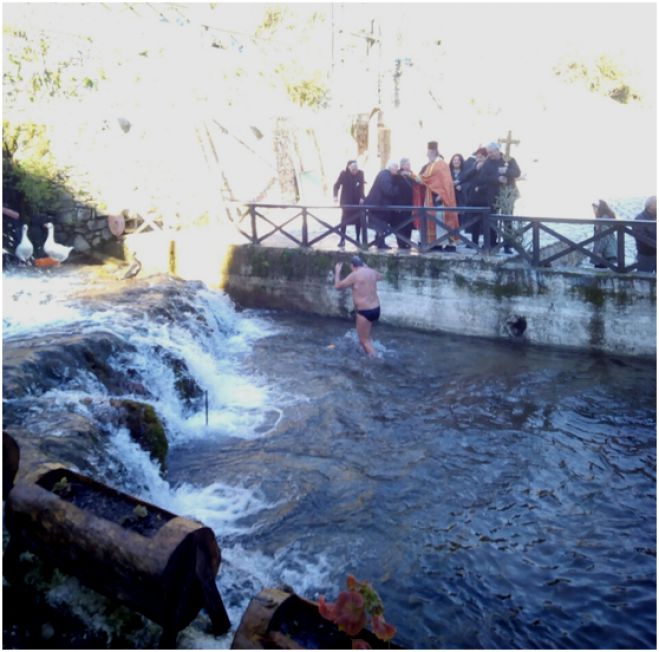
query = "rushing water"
x=496 y=495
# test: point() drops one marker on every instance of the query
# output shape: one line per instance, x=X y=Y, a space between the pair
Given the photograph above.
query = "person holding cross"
x=508 y=172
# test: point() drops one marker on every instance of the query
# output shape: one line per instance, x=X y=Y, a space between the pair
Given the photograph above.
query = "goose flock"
x=56 y=253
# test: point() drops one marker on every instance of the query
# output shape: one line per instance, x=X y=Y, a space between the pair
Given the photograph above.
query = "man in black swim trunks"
x=363 y=281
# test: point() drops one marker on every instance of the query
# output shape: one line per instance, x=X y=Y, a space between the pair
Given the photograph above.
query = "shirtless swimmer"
x=363 y=281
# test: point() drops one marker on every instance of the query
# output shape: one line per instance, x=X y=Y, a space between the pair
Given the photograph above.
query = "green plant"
x=505 y=201
x=602 y=75
x=34 y=69
x=28 y=167
x=504 y=204
x=310 y=91
x=352 y=610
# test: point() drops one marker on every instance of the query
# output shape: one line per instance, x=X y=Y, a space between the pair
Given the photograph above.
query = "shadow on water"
x=497 y=495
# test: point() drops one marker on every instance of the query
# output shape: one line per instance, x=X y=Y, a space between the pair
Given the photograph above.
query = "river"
x=495 y=494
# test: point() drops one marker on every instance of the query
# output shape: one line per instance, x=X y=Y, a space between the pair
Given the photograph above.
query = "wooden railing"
x=528 y=236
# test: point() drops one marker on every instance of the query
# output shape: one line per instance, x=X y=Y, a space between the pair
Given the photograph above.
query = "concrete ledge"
x=466 y=295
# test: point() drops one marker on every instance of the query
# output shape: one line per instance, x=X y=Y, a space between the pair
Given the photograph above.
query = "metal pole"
x=487 y=240
x=621 y=247
x=536 y=244
x=206 y=402
x=305 y=228
x=423 y=230
x=252 y=214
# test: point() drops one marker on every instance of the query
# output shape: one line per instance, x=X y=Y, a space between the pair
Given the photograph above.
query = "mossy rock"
x=186 y=386
x=145 y=428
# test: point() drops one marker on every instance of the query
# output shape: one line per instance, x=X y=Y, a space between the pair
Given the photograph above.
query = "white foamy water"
x=32 y=303
x=213 y=341
x=219 y=506
x=243 y=573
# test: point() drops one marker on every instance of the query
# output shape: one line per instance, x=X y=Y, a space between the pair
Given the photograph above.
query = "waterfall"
x=163 y=332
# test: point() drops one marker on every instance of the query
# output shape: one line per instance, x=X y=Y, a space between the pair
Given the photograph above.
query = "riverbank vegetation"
x=161 y=119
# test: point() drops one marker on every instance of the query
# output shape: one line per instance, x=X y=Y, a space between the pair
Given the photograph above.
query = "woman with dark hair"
x=351 y=181
x=605 y=246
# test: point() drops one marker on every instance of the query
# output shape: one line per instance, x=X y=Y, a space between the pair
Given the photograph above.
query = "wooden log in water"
x=281 y=620
x=11 y=455
x=159 y=564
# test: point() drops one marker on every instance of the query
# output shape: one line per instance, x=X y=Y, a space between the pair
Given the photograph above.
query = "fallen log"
x=11 y=455
x=159 y=564
x=282 y=620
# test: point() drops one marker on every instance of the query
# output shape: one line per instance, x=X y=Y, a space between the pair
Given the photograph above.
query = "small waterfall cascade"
x=76 y=347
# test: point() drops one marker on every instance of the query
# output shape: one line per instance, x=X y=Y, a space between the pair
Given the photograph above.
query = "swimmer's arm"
x=346 y=282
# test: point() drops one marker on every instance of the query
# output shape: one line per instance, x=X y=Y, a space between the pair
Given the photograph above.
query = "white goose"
x=54 y=250
x=24 y=250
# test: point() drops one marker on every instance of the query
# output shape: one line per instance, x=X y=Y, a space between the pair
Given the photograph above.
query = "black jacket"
x=404 y=194
x=383 y=191
x=483 y=184
x=647 y=230
x=352 y=187
x=512 y=172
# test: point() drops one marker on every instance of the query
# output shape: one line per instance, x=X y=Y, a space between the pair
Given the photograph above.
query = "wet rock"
x=66 y=437
x=80 y=244
x=37 y=365
x=145 y=428
x=47 y=631
x=186 y=386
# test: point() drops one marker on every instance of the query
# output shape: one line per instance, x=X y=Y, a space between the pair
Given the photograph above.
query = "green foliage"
x=505 y=201
x=28 y=168
x=310 y=92
x=353 y=609
x=62 y=487
x=33 y=71
x=603 y=76
x=271 y=21
x=283 y=31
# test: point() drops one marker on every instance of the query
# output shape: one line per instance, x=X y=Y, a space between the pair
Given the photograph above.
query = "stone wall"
x=473 y=296
x=83 y=227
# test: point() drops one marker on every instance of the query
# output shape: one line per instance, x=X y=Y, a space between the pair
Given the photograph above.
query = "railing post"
x=363 y=235
x=305 y=228
x=536 y=244
x=252 y=215
x=621 y=247
x=487 y=239
x=423 y=228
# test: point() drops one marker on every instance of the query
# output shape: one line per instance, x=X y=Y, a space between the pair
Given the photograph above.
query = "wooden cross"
x=508 y=141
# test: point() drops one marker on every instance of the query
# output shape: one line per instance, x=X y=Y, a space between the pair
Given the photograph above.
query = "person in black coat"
x=645 y=234
x=457 y=166
x=481 y=178
x=351 y=181
x=404 y=197
x=382 y=193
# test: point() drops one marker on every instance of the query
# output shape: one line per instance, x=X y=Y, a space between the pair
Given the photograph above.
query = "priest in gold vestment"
x=438 y=182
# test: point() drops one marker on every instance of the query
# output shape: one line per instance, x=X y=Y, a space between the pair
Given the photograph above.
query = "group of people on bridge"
x=485 y=179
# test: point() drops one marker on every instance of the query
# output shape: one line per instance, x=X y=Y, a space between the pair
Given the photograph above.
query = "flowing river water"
x=496 y=495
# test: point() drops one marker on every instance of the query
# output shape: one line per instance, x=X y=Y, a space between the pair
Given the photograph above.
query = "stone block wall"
x=474 y=296
x=76 y=223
